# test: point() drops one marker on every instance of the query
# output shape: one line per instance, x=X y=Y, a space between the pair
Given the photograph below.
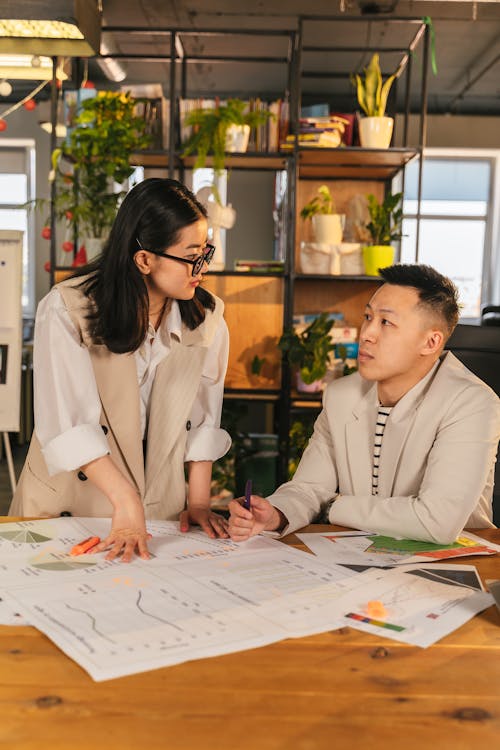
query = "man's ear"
x=142 y=260
x=434 y=342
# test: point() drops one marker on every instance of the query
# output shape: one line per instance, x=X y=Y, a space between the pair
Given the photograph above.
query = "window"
x=17 y=175
x=455 y=221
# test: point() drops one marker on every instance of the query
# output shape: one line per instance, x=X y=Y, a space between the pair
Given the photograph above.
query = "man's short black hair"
x=437 y=293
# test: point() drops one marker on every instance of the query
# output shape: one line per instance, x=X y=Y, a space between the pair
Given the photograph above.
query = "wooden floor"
x=19 y=454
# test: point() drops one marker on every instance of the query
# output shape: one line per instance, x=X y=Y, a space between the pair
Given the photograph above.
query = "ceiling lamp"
x=111 y=68
x=57 y=28
x=29 y=68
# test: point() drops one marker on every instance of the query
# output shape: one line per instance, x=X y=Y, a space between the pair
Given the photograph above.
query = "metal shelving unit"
x=302 y=163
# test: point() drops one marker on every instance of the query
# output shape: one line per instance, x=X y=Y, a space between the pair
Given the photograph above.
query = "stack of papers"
x=200 y=597
x=360 y=549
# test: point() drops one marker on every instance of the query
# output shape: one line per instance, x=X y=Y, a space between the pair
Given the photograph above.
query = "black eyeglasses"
x=197 y=263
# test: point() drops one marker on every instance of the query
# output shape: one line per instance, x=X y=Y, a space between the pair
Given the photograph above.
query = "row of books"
x=152 y=106
x=265 y=138
x=328 y=131
x=259 y=266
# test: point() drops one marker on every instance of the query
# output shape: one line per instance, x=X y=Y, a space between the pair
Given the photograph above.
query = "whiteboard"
x=11 y=262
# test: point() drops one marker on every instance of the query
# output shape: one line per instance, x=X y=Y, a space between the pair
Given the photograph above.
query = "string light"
x=5 y=88
x=19 y=104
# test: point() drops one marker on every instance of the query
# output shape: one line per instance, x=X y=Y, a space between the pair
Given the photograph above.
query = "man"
x=407 y=445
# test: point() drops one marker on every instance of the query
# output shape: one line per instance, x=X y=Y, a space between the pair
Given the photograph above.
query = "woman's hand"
x=212 y=524
x=128 y=532
x=128 y=528
x=245 y=523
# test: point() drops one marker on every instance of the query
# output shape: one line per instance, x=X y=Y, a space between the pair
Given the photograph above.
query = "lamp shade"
x=57 y=28
x=30 y=68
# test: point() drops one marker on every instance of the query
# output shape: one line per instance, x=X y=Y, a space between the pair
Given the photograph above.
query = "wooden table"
x=340 y=689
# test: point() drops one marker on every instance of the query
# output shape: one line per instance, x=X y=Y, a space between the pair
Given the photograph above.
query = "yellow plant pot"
x=377 y=256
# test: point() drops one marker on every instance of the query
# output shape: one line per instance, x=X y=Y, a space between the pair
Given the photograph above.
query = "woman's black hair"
x=153 y=213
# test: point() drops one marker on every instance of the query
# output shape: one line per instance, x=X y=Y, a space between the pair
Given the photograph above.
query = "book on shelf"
x=259 y=266
x=152 y=107
x=319 y=131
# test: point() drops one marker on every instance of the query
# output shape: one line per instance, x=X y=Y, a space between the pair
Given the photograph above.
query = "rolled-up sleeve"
x=66 y=401
x=206 y=441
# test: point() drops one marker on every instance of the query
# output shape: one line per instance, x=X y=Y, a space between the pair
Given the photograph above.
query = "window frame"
x=490 y=275
x=29 y=147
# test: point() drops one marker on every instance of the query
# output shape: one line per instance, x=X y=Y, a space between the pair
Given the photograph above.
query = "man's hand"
x=245 y=523
x=212 y=524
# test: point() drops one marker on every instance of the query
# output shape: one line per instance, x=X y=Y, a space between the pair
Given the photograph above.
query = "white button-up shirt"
x=66 y=401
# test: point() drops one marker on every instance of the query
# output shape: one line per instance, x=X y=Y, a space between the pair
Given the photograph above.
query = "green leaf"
x=372 y=92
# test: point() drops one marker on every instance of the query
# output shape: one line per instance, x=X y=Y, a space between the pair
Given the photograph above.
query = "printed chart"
x=361 y=548
x=199 y=597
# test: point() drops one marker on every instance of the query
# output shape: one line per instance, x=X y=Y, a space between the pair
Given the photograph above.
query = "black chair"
x=490 y=315
x=478 y=347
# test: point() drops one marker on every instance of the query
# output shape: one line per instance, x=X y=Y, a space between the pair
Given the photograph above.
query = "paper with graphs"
x=196 y=597
x=199 y=597
x=415 y=605
x=363 y=548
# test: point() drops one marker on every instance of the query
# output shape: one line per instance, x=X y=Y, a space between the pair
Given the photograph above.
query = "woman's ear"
x=142 y=260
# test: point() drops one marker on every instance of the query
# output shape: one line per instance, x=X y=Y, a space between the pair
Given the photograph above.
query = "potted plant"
x=384 y=227
x=308 y=352
x=92 y=166
x=300 y=433
x=327 y=226
x=375 y=130
x=220 y=130
x=326 y=223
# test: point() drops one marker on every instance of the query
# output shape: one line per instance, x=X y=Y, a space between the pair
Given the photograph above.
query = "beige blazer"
x=161 y=483
x=436 y=465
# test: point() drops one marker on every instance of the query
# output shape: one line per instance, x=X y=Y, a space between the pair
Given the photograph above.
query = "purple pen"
x=248 y=494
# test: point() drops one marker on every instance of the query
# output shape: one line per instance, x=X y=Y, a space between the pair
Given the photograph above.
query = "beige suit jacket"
x=161 y=483
x=436 y=465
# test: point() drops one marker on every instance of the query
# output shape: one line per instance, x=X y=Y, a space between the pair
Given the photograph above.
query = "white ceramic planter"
x=237 y=138
x=328 y=228
x=351 y=258
x=315 y=258
x=314 y=387
x=375 y=132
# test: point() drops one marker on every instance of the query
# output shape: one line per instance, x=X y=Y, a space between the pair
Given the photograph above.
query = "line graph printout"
x=417 y=605
x=197 y=597
x=365 y=548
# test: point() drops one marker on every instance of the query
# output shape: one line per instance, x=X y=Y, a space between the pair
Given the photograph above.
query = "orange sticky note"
x=376 y=609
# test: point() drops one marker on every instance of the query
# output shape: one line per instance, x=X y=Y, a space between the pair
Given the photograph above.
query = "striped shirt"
x=382 y=417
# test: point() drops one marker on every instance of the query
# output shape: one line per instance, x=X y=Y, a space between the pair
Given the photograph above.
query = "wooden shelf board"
x=248 y=274
x=271 y=161
x=150 y=159
x=337 y=277
x=357 y=163
x=305 y=401
x=254 y=394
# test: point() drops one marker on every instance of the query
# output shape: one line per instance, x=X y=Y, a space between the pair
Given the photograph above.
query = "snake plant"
x=372 y=91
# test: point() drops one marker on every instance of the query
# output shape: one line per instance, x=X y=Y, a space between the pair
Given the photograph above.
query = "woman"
x=129 y=365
